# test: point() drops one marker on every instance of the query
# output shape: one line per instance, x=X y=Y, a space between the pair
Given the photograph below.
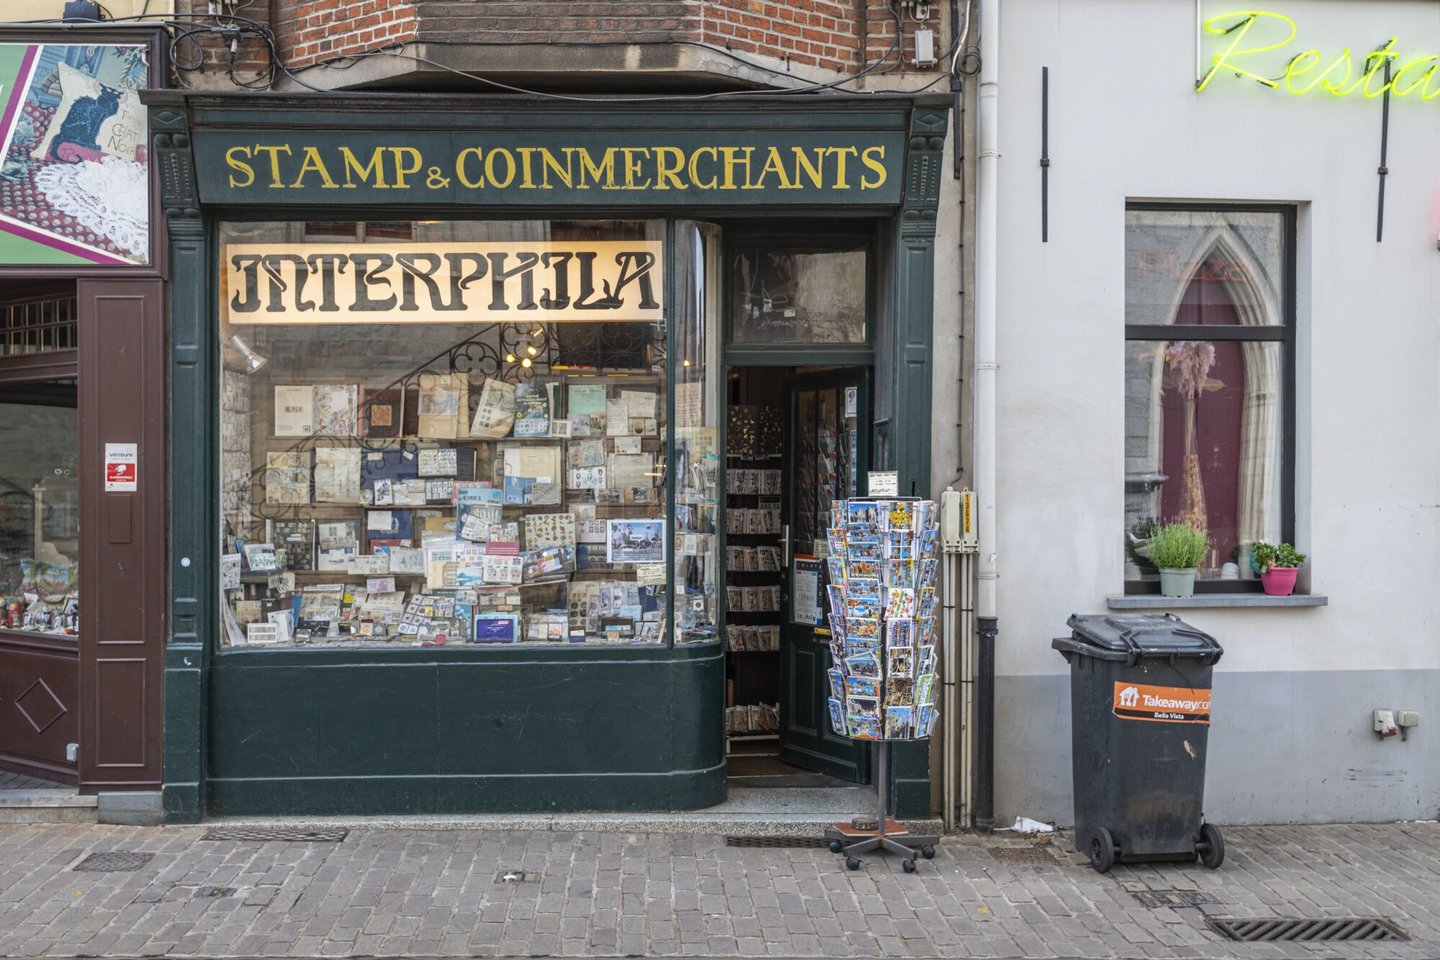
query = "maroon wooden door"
x=123 y=563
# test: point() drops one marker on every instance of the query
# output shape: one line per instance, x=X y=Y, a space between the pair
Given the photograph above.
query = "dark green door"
x=825 y=448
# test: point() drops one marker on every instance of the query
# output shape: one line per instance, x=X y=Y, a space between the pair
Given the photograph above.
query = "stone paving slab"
x=436 y=893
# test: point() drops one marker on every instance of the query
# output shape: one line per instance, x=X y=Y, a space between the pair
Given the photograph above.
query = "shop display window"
x=39 y=508
x=1209 y=383
x=460 y=432
x=798 y=293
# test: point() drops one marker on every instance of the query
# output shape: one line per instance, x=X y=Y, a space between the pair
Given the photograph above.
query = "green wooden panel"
x=446 y=735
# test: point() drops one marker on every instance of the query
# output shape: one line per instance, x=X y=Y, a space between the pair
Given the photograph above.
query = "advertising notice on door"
x=122 y=466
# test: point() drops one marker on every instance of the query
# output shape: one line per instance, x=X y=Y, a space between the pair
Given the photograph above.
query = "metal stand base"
x=888 y=835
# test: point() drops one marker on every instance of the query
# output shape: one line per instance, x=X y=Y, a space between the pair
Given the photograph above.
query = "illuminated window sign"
x=1256 y=43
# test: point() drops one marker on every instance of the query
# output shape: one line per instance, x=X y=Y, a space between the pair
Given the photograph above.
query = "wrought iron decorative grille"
x=38 y=325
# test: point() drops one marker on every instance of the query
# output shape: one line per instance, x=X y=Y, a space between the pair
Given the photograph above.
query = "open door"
x=824 y=447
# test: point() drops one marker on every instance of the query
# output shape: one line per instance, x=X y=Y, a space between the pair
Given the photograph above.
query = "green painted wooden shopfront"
x=481 y=729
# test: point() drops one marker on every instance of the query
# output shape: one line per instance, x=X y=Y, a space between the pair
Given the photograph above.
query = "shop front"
x=82 y=409
x=473 y=507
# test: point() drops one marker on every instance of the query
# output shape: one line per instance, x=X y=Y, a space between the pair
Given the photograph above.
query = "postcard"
x=837 y=716
x=861 y=589
x=635 y=541
x=863 y=513
x=837 y=683
x=836 y=569
x=926 y=662
x=900 y=603
x=857 y=628
x=862 y=686
x=925 y=607
x=862 y=665
x=899 y=516
x=897 y=723
x=863 y=727
x=925 y=688
x=900 y=633
x=862 y=609
x=899 y=663
x=864 y=569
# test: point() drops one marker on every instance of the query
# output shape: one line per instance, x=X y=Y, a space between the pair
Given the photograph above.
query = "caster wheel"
x=852 y=863
x=928 y=852
x=835 y=846
x=1102 y=850
x=908 y=865
x=1211 y=846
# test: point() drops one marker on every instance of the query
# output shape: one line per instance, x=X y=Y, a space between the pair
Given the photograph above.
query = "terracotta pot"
x=1279 y=581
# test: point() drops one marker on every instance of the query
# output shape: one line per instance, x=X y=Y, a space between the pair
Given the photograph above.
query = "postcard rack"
x=883 y=567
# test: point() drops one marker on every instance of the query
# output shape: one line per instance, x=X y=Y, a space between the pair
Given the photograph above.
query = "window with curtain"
x=1209 y=392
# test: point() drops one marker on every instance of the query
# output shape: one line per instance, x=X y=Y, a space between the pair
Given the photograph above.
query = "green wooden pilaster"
x=192 y=472
x=914 y=245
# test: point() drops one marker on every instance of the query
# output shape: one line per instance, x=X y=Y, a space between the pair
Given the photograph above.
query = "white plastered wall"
x=1296 y=686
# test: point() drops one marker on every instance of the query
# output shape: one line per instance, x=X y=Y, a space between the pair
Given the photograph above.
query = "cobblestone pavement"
x=436 y=893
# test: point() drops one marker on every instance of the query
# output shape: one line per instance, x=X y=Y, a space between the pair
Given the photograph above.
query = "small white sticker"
x=884 y=483
x=852 y=401
x=122 y=467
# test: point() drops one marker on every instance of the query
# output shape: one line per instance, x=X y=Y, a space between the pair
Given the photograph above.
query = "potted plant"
x=1177 y=548
x=1278 y=565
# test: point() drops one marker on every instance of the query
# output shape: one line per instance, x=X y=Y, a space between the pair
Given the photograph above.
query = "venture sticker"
x=1137 y=701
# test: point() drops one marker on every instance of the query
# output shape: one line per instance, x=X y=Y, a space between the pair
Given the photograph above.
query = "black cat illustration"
x=81 y=128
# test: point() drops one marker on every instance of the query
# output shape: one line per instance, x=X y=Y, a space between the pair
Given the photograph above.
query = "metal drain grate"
x=113 y=861
x=1173 y=898
x=1022 y=854
x=793 y=842
x=268 y=835
x=1328 y=929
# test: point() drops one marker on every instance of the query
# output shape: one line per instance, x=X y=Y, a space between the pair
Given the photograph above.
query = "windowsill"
x=1157 y=602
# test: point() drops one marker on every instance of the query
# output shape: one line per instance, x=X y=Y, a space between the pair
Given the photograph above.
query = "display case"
x=459 y=433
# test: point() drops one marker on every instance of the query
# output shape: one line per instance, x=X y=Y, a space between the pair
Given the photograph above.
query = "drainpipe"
x=986 y=368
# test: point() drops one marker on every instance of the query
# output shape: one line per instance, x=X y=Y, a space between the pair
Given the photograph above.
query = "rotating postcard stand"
x=883 y=569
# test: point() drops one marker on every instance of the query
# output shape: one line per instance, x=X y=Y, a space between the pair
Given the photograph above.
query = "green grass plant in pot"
x=1277 y=565
x=1177 y=549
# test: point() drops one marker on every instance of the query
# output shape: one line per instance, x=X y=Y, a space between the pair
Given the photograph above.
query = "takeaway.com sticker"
x=1137 y=701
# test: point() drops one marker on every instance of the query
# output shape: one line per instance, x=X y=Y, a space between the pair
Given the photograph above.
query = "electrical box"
x=924 y=48
x=958 y=533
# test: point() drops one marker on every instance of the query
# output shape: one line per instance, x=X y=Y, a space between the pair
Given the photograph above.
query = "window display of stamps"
x=442 y=462
x=336 y=409
x=549 y=530
x=260 y=558
x=287 y=477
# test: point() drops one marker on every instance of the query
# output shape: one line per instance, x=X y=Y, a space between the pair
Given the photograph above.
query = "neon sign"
x=1253 y=33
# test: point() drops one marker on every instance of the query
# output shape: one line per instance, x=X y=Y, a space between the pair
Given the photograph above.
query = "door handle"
x=785 y=545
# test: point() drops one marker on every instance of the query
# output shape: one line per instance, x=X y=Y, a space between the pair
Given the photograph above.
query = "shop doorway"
x=39 y=538
x=794 y=443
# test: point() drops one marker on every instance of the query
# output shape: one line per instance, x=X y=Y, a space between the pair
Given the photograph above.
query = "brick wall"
x=830 y=35
x=310 y=31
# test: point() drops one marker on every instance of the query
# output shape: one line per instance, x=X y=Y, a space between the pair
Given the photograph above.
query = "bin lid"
x=1141 y=635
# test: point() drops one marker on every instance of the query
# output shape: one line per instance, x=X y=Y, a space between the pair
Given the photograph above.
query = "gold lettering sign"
x=517 y=282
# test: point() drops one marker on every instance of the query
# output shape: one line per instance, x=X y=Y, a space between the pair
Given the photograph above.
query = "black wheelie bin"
x=1140 y=712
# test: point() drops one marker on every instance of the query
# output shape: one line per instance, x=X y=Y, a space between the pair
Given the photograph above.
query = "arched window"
x=1209 y=330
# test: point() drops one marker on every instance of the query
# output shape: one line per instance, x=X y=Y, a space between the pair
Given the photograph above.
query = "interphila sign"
x=516 y=282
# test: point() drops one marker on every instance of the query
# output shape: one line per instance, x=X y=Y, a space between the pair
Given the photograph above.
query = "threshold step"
x=46 y=806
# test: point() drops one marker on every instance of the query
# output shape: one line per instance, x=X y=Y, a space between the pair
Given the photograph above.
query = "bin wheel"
x=852 y=863
x=1211 y=846
x=928 y=852
x=908 y=865
x=1102 y=850
x=835 y=846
